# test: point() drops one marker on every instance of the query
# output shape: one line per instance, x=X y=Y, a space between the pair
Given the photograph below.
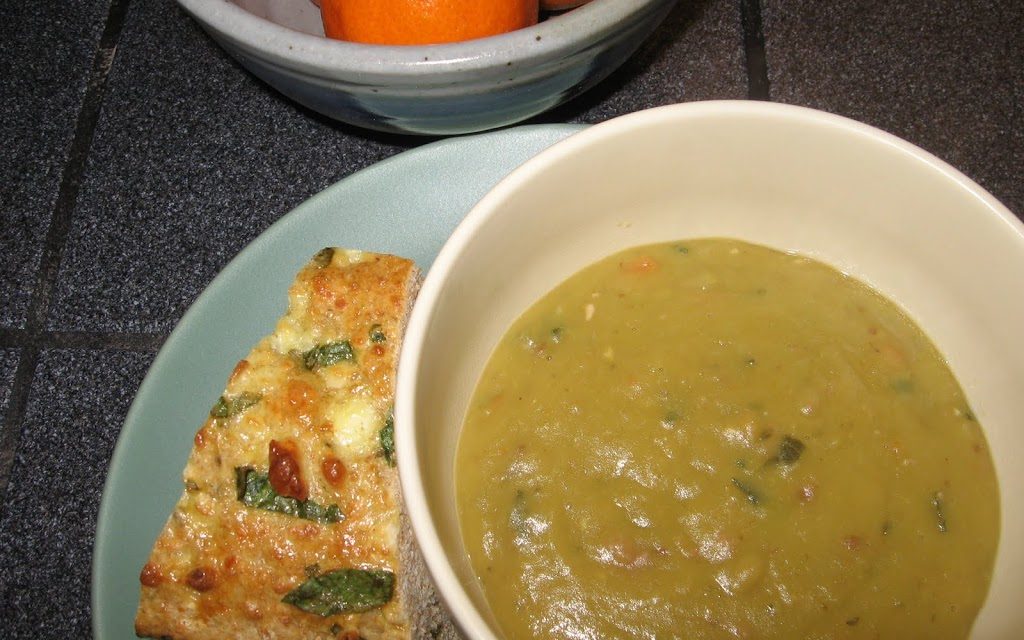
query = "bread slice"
x=291 y=524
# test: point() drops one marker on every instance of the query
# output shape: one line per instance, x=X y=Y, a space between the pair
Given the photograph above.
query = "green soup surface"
x=712 y=439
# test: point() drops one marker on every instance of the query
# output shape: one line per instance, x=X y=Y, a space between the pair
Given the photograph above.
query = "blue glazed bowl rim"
x=553 y=38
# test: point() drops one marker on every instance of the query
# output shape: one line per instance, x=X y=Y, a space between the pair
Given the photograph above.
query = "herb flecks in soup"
x=713 y=439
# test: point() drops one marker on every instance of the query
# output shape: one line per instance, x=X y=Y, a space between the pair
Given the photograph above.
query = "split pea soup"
x=712 y=439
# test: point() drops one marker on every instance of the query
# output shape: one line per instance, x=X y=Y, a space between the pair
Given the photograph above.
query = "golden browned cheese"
x=219 y=568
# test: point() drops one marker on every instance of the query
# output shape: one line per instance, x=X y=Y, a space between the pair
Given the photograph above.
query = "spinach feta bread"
x=290 y=524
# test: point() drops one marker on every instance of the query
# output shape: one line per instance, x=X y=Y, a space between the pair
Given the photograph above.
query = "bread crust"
x=220 y=568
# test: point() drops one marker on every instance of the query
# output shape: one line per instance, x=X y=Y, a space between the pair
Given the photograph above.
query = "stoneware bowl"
x=844 y=193
x=437 y=89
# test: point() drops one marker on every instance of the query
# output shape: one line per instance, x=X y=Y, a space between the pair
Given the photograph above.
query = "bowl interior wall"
x=300 y=15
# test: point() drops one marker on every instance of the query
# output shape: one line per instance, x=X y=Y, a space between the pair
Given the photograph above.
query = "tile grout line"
x=74 y=168
x=56 y=235
x=753 y=45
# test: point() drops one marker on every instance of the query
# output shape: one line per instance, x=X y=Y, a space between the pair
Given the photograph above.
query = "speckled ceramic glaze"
x=437 y=89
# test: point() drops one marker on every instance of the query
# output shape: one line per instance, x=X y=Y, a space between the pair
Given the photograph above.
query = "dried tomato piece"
x=285 y=474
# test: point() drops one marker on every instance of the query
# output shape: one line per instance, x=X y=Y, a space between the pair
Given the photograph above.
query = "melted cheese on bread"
x=304 y=414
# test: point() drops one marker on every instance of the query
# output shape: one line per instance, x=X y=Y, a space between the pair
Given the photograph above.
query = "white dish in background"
x=441 y=89
x=844 y=193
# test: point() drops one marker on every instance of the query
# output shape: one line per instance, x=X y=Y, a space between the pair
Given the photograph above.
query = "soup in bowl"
x=715 y=450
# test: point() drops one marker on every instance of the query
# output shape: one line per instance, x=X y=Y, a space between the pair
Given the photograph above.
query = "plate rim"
x=99 y=558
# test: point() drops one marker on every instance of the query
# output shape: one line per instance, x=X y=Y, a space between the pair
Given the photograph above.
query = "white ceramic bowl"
x=437 y=89
x=844 y=193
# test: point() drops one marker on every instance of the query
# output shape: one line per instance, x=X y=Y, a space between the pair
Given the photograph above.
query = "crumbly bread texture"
x=291 y=481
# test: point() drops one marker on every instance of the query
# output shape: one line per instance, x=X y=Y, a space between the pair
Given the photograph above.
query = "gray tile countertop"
x=130 y=176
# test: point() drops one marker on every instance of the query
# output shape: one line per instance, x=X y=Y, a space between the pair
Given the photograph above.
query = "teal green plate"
x=407 y=205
